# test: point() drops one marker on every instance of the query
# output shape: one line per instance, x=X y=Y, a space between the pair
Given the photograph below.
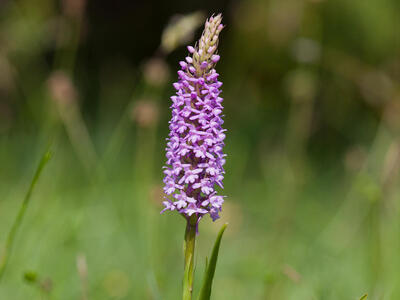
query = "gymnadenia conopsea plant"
x=195 y=144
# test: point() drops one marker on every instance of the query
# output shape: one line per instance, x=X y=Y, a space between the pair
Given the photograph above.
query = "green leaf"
x=205 y=292
x=21 y=213
x=364 y=297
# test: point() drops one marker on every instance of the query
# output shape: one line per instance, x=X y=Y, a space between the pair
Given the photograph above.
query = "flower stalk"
x=189 y=247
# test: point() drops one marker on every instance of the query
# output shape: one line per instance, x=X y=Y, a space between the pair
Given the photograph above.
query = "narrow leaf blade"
x=205 y=292
x=18 y=219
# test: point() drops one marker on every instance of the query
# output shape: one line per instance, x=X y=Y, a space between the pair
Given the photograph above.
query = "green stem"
x=189 y=245
x=21 y=213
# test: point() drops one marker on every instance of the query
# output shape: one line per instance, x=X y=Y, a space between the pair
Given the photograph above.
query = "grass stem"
x=18 y=220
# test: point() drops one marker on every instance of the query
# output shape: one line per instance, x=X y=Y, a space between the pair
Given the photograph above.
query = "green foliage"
x=18 y=220
x=205 y=292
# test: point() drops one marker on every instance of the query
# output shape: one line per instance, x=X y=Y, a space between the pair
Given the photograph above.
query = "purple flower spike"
x=194 y=149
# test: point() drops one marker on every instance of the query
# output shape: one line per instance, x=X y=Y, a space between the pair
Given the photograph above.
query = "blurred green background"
x=312 y=108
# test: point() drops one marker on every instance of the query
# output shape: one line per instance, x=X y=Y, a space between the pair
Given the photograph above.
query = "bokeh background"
x=312 y=108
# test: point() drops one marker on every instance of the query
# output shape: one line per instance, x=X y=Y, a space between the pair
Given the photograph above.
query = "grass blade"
x=205 y=292
x=18 y=220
